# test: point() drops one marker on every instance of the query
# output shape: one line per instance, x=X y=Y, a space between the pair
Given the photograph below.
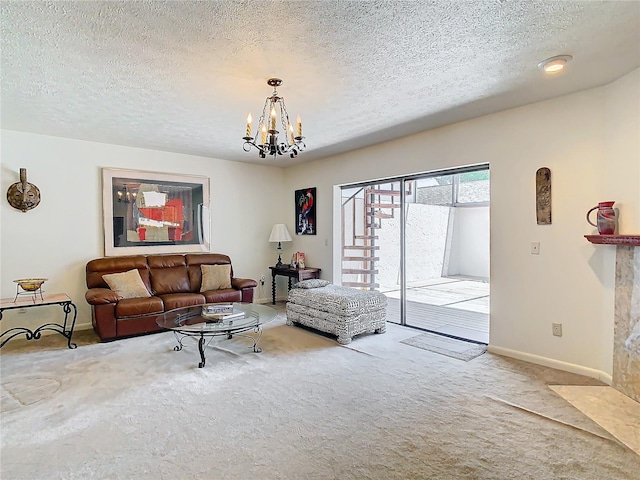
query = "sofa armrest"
x=242 y=283
x=100 y=296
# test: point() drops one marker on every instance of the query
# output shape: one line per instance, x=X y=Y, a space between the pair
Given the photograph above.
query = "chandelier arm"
x=246 y=146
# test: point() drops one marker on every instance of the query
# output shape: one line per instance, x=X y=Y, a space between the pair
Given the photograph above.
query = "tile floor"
x=612 y=410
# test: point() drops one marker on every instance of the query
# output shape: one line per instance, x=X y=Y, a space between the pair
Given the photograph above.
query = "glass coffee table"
x=193 y=322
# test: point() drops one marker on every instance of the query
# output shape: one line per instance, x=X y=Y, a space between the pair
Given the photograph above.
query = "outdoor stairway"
x=359 y=250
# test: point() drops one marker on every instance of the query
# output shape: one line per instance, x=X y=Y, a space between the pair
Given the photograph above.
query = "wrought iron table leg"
x=257 y=349
x=178 y=347
x=68 y=333
x=255 y=340
x=201 y=348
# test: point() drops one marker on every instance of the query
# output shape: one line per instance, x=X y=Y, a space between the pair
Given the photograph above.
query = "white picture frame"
x=181 y=225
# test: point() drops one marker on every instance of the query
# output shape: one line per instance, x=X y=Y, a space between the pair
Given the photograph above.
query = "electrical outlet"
x=535 y=248
x=262 y=280
x=556 y=329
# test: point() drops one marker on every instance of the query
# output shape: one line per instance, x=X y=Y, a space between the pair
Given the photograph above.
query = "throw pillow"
x=215 y=277
x=127 y=284
x=312 y=283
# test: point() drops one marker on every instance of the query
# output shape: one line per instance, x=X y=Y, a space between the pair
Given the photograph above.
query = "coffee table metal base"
x=202 y=343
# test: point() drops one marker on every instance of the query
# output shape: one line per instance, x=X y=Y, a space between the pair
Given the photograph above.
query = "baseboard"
x=550 y=362
x=82 y=326
x=267 y=301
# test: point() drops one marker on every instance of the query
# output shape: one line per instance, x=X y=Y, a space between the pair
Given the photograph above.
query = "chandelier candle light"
x=274 y=106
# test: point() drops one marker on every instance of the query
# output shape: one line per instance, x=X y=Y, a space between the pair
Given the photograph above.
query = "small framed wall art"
x=305 y=211
x=150 y=212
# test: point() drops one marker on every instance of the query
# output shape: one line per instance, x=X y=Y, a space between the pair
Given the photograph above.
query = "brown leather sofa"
x=173 y=281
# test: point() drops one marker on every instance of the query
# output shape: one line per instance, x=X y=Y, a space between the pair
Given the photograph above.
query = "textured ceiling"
x=182 y=76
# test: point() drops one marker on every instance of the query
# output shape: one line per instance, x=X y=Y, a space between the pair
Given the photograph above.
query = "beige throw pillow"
x=215 y=277
x=127 y=284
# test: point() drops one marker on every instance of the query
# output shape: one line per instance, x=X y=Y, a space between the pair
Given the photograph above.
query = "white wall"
x=57 y=238
x=589 y=140
x=469 y=252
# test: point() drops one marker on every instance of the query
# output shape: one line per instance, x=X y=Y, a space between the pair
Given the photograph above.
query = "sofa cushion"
x=179 y=300
x=100 y=266
x=127 y=284
x=215 y=277
x=312 y=283
x=169 y=274
x=225 y=295
x=133 y=307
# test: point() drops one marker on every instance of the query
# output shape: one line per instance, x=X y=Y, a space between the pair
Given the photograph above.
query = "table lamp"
x=279 y=233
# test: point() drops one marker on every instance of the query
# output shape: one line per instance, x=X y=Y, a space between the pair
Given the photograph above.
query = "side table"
x=286 y=271
x=65 y=329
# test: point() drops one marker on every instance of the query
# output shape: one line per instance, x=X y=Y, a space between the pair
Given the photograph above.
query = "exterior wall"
x=58 y=237
x=425 y=237
x=589 y=140
x=469 y=253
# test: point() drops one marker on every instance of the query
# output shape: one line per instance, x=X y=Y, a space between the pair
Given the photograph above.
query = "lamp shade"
x=279 y=233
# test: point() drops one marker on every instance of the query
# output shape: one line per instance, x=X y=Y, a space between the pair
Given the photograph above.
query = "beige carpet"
x=305 y=408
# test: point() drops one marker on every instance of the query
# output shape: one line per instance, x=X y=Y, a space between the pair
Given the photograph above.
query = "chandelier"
x=267 y=132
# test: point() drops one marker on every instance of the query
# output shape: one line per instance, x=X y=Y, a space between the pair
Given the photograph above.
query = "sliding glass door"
x=423 y=241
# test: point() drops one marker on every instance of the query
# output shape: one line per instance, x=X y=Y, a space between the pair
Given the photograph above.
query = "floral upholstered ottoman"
x=338 y=310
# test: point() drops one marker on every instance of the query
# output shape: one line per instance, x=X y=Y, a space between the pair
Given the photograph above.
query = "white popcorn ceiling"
x=182 y=76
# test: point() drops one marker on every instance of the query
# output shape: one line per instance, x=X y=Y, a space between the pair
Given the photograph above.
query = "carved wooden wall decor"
x=23 y=195
x=543 y=196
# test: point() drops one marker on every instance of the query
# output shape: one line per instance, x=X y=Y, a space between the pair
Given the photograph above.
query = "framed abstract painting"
x=151 y=212
x=306 y=211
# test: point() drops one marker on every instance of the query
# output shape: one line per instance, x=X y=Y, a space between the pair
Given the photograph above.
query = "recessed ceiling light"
x=554 y=64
